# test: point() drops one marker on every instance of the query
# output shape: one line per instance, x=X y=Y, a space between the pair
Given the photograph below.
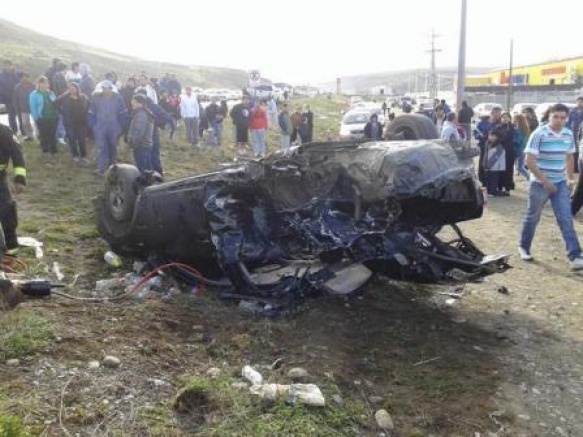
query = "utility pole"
x=461 y=62
x=510 y=81
x=433 y=81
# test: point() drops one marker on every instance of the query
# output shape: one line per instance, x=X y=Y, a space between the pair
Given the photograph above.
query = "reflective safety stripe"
x=19 y=171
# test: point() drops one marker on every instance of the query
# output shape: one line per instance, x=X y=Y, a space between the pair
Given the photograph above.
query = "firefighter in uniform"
x=10 y=150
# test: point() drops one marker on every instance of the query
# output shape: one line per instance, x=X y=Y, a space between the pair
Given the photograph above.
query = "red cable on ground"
x=156 y=271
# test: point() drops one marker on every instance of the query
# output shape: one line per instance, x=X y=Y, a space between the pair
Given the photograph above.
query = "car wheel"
x=120 y=191
x=412 y=127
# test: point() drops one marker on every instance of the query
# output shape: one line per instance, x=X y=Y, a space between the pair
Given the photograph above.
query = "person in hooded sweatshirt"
x=141 y=133
x=73 y=106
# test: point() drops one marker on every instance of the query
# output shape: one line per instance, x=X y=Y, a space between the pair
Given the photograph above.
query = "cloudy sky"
x=311 y=41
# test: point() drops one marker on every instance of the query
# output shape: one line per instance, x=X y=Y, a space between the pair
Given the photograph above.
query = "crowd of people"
x=67 y=105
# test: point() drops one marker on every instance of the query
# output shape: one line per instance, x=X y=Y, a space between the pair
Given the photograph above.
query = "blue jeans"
x=61 y=132
x=155 y=161
x=142 y=159
x=520 y=165
x=106 y=142
x=492 y=180
x=258 y=138
x=561 y=202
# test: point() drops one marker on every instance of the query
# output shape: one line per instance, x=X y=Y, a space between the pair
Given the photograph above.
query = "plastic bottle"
x=112 y=259
x=252 y=375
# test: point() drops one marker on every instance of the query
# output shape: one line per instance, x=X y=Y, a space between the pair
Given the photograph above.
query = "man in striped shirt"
x=549 y=157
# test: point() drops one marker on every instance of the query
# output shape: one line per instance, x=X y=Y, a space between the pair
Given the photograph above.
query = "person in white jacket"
x=449 y=131
x=189 y=110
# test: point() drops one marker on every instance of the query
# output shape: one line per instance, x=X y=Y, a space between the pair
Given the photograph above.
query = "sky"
x=311 y=41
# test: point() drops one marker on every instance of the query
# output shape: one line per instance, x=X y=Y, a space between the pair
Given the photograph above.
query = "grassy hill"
x=33 y=52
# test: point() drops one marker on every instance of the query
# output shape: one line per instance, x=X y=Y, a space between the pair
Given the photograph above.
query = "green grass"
x=211 y=408
x=11 y=426
x=23 y=334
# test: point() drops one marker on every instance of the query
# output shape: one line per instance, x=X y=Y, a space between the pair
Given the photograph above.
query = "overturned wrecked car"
x=325 y=216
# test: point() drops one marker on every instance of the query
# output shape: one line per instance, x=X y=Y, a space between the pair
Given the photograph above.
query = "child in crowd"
x=494 y=163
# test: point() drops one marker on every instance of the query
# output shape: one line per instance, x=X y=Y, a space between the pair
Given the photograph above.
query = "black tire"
x=411 y=127
x=120 y=191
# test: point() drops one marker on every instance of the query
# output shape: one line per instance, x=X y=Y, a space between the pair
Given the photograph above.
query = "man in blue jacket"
x=9 y=78
x=109 y=117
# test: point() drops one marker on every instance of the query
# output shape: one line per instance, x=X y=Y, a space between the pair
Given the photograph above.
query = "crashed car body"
x=323 y=216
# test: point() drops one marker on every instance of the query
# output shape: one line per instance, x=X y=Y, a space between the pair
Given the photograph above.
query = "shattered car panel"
x=327 y=206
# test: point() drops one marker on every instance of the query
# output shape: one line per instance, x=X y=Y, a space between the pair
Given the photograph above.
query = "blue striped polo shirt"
x=551 y=150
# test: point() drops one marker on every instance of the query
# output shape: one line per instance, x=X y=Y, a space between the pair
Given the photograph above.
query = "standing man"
x=189 y=110
x=464 y=118
x=574 y=123
x=449 y=130
x=109 y=117
x=549 y=157
x=21 y=101
x=9 y=78
x=286 y=128
x=10 y=150
x=241 y=116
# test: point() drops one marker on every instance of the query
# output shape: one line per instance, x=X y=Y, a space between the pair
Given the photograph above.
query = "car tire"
x=120 y=191
x=114 y=221
x=411 y=127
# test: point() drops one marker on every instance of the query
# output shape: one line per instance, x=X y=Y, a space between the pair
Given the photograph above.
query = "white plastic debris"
x=32 y=242
x=57 y=271
x=307 y=394
x=252 y=375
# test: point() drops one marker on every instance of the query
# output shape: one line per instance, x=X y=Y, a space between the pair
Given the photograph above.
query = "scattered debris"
x=419 y=363
x=112 y=259
x=384 y=420
x=32 y=242
x=13 y=362
x=298 y=374
x=376 y=399
x=213 y=372
x=93 y=365
x=451 y=302
x=503 y=290
x=111 y=362
x=57 y=271
x=307 y=394
x=252 y=375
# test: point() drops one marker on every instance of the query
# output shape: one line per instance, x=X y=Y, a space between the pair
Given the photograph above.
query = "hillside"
x=33 y=53
x=401 y=81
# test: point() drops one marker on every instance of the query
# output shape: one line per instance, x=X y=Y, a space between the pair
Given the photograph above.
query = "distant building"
x=562 y=73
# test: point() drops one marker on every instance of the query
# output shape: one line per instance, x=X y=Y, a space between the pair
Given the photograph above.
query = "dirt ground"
x=504 y=360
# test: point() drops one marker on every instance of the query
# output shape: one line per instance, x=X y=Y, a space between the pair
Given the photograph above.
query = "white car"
x=483 y=109
x=519 y=107
x=353 y=122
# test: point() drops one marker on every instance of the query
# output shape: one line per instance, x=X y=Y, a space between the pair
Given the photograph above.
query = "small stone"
x=384 y=420
x=375 y=399
x=198 y=328
x=159 y=382
x=451 y=302
x=478 y=348
x=536 y=391
x=13 y=362
x=36 y=383
x=92 y=365
x=105 y=402
x=337 y=399
x=111 y=362
x=297 y=374
x=524 y=417
x=213 y=372
x=240 y=385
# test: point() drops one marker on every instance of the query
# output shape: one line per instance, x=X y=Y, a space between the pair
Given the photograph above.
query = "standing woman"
x=73 y=105
x=521 y=135
x=530 y=118
x=44 y=113
x=506 y=183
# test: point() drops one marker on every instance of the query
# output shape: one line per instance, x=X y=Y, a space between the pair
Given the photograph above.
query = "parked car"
x=519 y=107
x=482 y=109
x=354 y=121
x=317 y=215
